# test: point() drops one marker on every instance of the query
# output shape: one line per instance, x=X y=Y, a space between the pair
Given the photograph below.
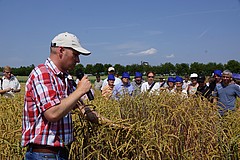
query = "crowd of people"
x=51 y=94
x=222 y=87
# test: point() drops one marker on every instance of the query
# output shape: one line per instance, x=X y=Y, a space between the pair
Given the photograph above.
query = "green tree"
x=197 y=67
x=182 y=69
x=168 y=68
x=98 y=68
x=89 y=69
x=119 y=69
x=233 y=66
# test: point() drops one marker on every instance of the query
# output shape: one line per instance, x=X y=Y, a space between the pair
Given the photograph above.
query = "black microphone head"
x=79 y=74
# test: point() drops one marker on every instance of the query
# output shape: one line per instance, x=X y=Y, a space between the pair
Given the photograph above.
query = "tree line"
x=164 y=69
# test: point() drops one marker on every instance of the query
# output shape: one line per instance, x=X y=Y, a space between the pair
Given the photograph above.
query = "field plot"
x=157 y=127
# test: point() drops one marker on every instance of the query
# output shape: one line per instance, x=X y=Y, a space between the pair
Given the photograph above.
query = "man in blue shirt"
x=123 y=88
x=225 y=93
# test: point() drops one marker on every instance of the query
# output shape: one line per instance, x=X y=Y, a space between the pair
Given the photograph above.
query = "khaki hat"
x=69 y=40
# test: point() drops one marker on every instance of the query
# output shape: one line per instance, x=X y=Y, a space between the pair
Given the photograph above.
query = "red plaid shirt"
x=45 y=89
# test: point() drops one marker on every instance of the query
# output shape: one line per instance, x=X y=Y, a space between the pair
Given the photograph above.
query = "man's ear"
x=61 y=49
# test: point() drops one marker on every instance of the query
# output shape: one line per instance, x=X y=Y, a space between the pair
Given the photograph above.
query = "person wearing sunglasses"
x=150 y=85
x=225 y=93
x=9 y=84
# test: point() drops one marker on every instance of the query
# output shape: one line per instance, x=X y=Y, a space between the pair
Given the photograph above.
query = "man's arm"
x=55 y=113
x=5 y=90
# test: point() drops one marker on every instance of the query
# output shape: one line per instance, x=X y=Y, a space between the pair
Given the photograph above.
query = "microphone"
x=79 y=75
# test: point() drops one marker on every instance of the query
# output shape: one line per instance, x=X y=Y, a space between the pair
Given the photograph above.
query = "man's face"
x=125 y=80
x=138 y=80
x=217 y=78
x=70 y=58
x=226 y=79
x=178 y=85
x=7 y=74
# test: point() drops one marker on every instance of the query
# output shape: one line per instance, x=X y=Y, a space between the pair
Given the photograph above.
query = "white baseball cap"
x=194 y=75
x=69 y=40
x=111 y=69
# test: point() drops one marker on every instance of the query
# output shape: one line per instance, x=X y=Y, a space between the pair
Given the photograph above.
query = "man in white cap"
x=111 y=70
x=47 y=128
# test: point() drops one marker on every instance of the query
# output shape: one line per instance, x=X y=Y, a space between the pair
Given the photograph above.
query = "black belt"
x=48 y=149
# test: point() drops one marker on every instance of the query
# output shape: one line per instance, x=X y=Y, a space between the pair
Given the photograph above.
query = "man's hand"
x=84 y=85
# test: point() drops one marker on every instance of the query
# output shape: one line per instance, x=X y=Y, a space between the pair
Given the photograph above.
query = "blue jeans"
x=30 y=155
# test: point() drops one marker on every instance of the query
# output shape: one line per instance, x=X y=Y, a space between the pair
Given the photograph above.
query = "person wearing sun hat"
x=124 y=88
x=49 y=99
x=171 y=84
x=111 y=70
x=236 y=78
x=178 y=87
x=108 y=89
x=137 y=83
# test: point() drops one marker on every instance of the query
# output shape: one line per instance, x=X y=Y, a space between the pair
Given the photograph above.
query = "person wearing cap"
x=108 y=89
x=192 y=87
x=124 y=88
x=178 y=87
x=217 y=78
x=225 y=93
x=9 y=84
x=171 y=84
x=111 y=70
x=202 y=88
x=150 y=85
x=47 y=129
x=137 y=83
x=236 y=78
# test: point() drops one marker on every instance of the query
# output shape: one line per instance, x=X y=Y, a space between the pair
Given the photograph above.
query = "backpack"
x=1 y=83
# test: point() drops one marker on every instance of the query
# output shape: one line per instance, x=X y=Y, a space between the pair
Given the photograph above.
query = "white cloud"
x=143 y=53
x=170 y=56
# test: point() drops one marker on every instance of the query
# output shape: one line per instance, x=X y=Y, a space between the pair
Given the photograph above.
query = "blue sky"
x=122 y=32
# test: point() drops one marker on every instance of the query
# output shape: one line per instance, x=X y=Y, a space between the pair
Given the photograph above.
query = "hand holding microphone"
x=80 y=75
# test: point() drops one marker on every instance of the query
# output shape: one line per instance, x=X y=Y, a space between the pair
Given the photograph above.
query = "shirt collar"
x=54 y=68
